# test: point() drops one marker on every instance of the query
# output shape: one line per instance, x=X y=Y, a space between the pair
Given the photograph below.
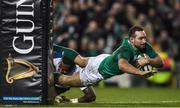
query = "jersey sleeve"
x=125 y=53
x=67 y=52
x=150 y=51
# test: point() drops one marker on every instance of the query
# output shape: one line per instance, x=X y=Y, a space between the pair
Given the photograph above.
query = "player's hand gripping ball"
x=144 y=65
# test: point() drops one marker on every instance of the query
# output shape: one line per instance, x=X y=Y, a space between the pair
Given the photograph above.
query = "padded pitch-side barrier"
x=26 y=52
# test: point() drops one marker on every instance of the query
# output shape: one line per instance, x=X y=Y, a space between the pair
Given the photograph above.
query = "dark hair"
x=133 y=29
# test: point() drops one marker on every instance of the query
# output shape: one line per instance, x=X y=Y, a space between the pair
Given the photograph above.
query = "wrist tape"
x=75 y=100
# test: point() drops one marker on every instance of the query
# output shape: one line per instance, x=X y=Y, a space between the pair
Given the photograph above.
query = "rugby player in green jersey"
x=123 y=60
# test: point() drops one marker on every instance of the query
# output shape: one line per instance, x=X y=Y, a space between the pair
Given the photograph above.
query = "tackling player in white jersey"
x=67 y=67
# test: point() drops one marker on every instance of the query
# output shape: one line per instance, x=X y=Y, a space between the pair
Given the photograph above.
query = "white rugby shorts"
x=90 y=74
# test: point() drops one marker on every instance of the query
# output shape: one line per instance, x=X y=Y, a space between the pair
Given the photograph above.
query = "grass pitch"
x=121 y=97
x=128 y=97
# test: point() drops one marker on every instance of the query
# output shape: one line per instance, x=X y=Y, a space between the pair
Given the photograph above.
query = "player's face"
x=139 y=39
x=64 y=68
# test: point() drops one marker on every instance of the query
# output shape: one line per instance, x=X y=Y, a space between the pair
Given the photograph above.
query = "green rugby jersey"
x=109 y=66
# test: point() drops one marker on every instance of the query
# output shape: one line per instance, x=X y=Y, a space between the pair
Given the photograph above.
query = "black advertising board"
x=25 y=52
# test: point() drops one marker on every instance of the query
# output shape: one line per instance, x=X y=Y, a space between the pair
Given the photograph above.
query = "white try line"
x=136 y=102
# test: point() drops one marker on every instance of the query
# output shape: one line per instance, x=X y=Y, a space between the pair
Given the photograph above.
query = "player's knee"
x=91 y=97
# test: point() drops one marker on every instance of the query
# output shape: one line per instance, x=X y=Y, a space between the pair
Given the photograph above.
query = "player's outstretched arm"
x=128 y=68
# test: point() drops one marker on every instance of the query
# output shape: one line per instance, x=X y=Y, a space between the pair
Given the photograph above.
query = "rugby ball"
x=146 y=67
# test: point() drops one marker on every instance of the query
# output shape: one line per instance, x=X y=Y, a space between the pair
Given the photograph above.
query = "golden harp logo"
x=19 y=69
